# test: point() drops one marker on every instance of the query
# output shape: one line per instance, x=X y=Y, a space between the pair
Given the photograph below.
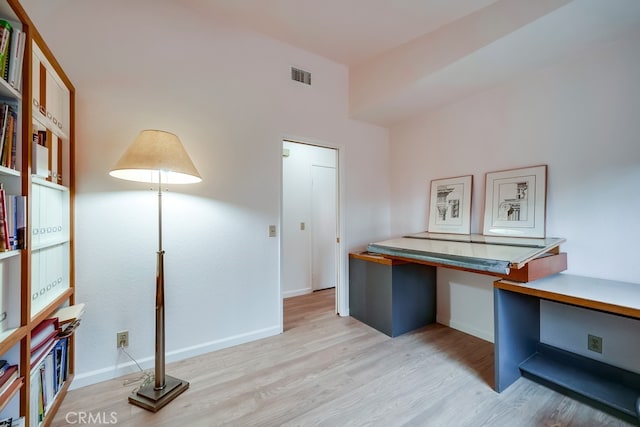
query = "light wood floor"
x=333 y=371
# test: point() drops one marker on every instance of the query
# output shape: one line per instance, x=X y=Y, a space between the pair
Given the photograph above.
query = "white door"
x=324 y=227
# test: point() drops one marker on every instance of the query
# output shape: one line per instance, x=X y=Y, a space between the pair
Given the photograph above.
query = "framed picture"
x=450 y=205
x=515 y=202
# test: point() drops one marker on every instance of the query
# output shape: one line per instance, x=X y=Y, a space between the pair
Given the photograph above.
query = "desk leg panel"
x=414 y=297
x=517 y=333
x=357 y=289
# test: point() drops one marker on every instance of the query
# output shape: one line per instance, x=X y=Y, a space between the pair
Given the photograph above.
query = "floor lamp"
x=157 y=157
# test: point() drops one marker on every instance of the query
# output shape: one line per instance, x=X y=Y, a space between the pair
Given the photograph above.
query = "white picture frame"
x=450 y=205
x=515 y=202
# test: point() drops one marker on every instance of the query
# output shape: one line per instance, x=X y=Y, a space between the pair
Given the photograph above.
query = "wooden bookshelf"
x=37 y=278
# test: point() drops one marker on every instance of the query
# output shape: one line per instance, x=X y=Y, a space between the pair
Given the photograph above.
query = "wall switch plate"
x=302 y=226
x=272 y=231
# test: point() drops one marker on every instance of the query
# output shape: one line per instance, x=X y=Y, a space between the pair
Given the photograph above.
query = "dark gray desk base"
x=390 y=296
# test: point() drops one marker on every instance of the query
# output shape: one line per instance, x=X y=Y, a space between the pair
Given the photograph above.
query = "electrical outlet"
x=594 y=343
x=122 y=339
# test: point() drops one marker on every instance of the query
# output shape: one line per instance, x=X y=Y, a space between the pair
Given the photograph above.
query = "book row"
x=50 y=358
x=12 y=44
x=49 y=371
x=47 y=378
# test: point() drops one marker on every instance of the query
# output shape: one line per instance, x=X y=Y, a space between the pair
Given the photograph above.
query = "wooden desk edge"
x=377 y=258
x=535 y=269
x=569 y=299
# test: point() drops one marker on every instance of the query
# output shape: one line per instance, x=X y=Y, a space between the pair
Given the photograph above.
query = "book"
x=4 y=229
x=8 y=378
x=42 y=137
x=13 y=151
x=43 y=332
x=16 y=53
x=38 y=356
x=44 y=341
x=5 y=158
x=48 y=386
x=40 y=395
x=21 y=222
x=61 y=364
x=70 y=313
x=5 y=42
x=19 y=68
x=11 y=219
x=4 y=120
x=34 y=394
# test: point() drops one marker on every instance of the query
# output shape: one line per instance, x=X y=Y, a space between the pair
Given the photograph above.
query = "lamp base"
x=149 y=398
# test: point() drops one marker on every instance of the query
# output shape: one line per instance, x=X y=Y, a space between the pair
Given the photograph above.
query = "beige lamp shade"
x=156 y=155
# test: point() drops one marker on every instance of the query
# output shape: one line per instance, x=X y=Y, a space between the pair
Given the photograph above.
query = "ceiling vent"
x=301 y=76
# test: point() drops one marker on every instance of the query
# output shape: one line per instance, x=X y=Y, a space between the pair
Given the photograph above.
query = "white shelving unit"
x=37 y=278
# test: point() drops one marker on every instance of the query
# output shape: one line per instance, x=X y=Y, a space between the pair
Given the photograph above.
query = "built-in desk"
x=518 y=350
x=392 y=286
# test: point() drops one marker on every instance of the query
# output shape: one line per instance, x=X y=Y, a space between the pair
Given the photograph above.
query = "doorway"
x=310 y=219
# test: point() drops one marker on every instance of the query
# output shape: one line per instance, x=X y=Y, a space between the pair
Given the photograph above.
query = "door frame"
x=341 y=306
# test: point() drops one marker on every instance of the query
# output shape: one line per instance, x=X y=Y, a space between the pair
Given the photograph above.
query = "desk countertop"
x=606 y=295
x=474 y=251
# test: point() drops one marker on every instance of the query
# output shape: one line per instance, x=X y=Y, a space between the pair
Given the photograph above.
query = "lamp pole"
x=159 y=375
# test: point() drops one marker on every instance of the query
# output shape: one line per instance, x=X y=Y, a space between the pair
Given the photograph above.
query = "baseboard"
x=92 y=377
x=297 y=292
x=466 y=328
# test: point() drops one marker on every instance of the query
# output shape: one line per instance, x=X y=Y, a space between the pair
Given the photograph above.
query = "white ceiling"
x=345 y=31
x=407 y=56
x=365 y=33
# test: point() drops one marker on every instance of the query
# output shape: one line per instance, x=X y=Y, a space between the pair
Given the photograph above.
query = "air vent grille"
x=300 y=76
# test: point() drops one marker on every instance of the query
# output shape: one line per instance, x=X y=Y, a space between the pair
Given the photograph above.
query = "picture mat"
x=450 y=205
x=515 y=202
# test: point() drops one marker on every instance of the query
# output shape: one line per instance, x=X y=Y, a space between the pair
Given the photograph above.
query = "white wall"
x=620 y=344
x=296 y=208
x=580 y=117
x=227 y=93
